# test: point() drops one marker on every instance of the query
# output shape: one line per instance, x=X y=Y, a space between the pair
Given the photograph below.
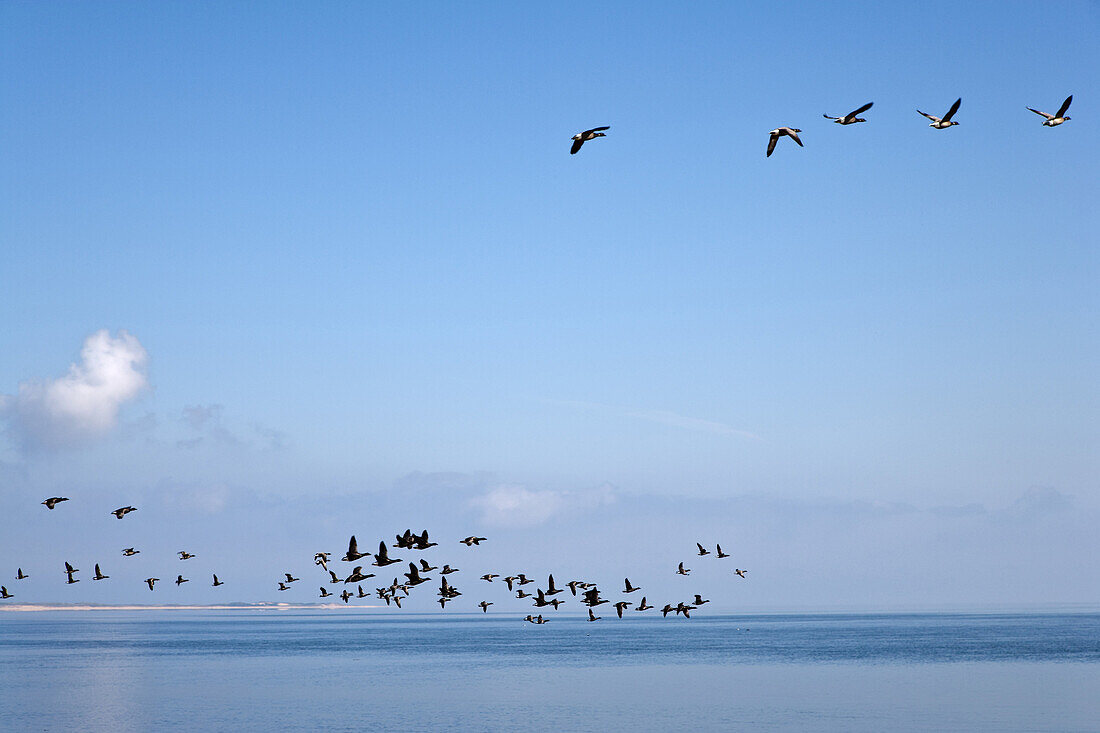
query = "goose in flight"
x=681 y=570
x=357 y=575
x=684 y=609
x=324 y=593
x=702 y=550
x=180 y=580
x=592 y=598
x=414 y=575
x=582 y=137
x=447 y=570
x=642 y=606
x=362 y=593
x=185 y=555
x=216 y=581
x=149 y=582
x=551 y=590
x=740 y=572
x=69 y=570
x=21 y=575
x=283 y=586
x=946 y=121
x=382 y=558
x=522 y=579
x=345 y=595
x=629 y=587
x=620 y=606
x=720 y=553
x=666 y=611
x=4 y=592
x=508 y=580
x=422 y=541
x=321 y=558
x=852 y=117
x=485 y=606
x=521 y=593
x=122 y=511
x=334 y=578
x=98 y=575
x=290 y=578
x=592 y=616
x=472 y=540
x=54 y=501
x=489 y=577
x=699 y=600
x=425 y=567
x=1058 y=117
x=443 y=600
x=353 y=553
x=130 y=552
x=573 y=585
x=791 y=132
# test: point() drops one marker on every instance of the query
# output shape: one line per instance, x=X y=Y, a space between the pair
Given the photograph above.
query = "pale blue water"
x=264 y=670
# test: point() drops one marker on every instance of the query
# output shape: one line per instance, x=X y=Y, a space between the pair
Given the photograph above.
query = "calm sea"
x=307 y=670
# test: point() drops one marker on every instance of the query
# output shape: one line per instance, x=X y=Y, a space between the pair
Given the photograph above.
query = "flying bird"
x=185 y=555
x=740 y=572
x=130 y=552
x=98 y=575
x=21 y=575
x=620 y=606
x=382 y=558
x=216 y=581
x=851 y=118
x=629 y=587
x=353 y=553
x=471 y=540
x=1057 y=118
x=582 y=137
x=4 y=592
x=681 y=570
x=122 y=511
x=180 y=580
x=290 y=578
x=54 y=501
x=345 y=595
x=592 y=616
x=149 y=582
x=702 y=550
x=944 y=122
x=720 y=553
x=283 y=586
x=642 y=606
x=791 y=132
x=489 y=577
x=321 y=558
x=324 y=593
x=699 y=600
x=485 y=606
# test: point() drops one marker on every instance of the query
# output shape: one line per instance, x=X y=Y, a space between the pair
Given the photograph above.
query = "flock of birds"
x=940 y=123
x=587 y=593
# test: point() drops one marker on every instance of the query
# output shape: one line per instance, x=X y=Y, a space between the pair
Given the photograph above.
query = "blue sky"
x=370 y=286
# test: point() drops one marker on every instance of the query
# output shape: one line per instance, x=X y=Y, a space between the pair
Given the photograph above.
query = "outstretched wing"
x=951 y=112
x=586 y=133
x=576 y=146
x=861 y=110
x=934 y=119
x=794 y=136
x=771 y=147
x=1044 y=114
x=829 y=118
x=1065 y=107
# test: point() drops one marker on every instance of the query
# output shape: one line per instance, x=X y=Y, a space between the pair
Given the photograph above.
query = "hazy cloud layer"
x=513 y=505
x=83 y=405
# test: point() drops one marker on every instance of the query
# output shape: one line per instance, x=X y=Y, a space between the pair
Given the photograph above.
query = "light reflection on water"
x=252 y=670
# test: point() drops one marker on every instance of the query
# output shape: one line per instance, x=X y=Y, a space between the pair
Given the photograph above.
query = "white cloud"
x=514 y=505
x=82 y=405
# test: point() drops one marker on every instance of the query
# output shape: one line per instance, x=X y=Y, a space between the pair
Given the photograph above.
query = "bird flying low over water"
x=4 y=592
x=620 y=606
x=721 y=554
x=582 y=137
x=290 y=578
x=54 y=501
x=283 y=586
x=791 y=132
x=551 y=589
x=852 y=117
x=485 y=606
x=489 y=577
x=447 y=570
x=702 y=550
x=216 y=581
x=739 y=572
x=180 y=580
x=98 y=575
x=681 y=570
x=699 y=600
x=944 y=122
x=149 y=582
x=184 y=555
x=345 y=595
x=321 y=558
x=333 y=576
x=20 y=575
x=472 y=540
x=130 y=552
x=1058 y=117
x=324 y=593
x=69 y=570
x=357 y=575
x=642 y=606
x=592 y=616
x=122 y=511
x=629 y=587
